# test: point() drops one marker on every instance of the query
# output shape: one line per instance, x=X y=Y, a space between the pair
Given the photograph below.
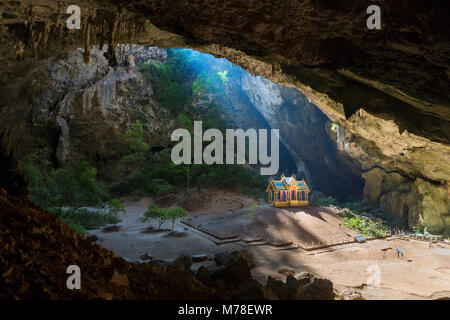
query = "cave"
x=363 y=116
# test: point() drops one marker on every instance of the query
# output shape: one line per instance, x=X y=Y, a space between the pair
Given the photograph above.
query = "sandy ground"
x=423 y=272
x=303 y=225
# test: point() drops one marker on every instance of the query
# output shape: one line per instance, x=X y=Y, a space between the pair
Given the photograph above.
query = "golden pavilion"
x=288 y=192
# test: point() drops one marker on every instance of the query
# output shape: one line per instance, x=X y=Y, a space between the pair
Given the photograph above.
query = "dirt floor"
x=422 y=273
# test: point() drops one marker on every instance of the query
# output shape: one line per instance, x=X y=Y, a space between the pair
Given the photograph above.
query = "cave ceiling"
x=321 y=47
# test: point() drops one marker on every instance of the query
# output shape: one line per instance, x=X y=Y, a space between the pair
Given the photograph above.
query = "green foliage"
x=73 y=185
x=160 y=187
x=117 y=206
x=161 y=215
x=331 y=201
x=184 y=122
x=185 y=76
x=85 y=219
x=364 y=225
x=252 y=212
x=353 y=205
x=77 y=227
x=223 y=76
x=155 y=213
x=164 y=77
x=136 y=137
x=198 y=87
x=334 y=126
x=324 y=201
x=176 y=214
x=416 y=230
x=397 y=221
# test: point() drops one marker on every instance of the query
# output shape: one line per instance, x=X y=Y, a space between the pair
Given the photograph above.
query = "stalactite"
x=87 y=36
x=113 y=28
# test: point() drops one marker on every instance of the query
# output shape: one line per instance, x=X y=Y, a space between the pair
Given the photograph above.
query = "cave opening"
x=102 y=114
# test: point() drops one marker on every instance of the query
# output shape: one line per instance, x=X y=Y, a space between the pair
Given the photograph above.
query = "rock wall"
x=68 y=110
x=406 y=176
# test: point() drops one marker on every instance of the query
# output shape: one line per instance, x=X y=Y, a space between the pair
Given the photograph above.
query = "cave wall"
x=66 y=110
x=397 y=75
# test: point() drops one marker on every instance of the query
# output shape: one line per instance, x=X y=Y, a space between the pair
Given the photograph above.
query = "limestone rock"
x=185 y=261
x=319 y=289
x=278 y=287
x=225 y=258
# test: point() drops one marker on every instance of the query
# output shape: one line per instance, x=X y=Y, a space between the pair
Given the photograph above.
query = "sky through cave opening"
x=203 y=87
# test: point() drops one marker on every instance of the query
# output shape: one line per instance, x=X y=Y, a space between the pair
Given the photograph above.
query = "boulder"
x=350 y=294
x=294 y=288
x=92 y=238
x=225 y=258
x=278 y=287
x=234 y=273
x=161 y=264
x=250 y=289
x=204 y=276
x=199 y=257
x=319 y=289
x=183 y=260
x=221 y=287
x=304 y=278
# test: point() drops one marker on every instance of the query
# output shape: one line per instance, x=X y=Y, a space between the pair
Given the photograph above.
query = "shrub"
x=159 y=187
x=324 y=201
x=364 y=225
x=86 y=218
x=117 y=206
x=252 y=212
x=355 y=205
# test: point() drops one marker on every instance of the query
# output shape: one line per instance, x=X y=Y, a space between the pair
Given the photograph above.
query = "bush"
x=355 y=205
x=364 y=225
x=324 y=201
x=83 y=218
x=159 y=187
x=117 y=206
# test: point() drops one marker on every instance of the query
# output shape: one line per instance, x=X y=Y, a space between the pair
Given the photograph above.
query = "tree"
x=162 y=215
x=155 y=213
x=176 y=214
x=136 y=138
